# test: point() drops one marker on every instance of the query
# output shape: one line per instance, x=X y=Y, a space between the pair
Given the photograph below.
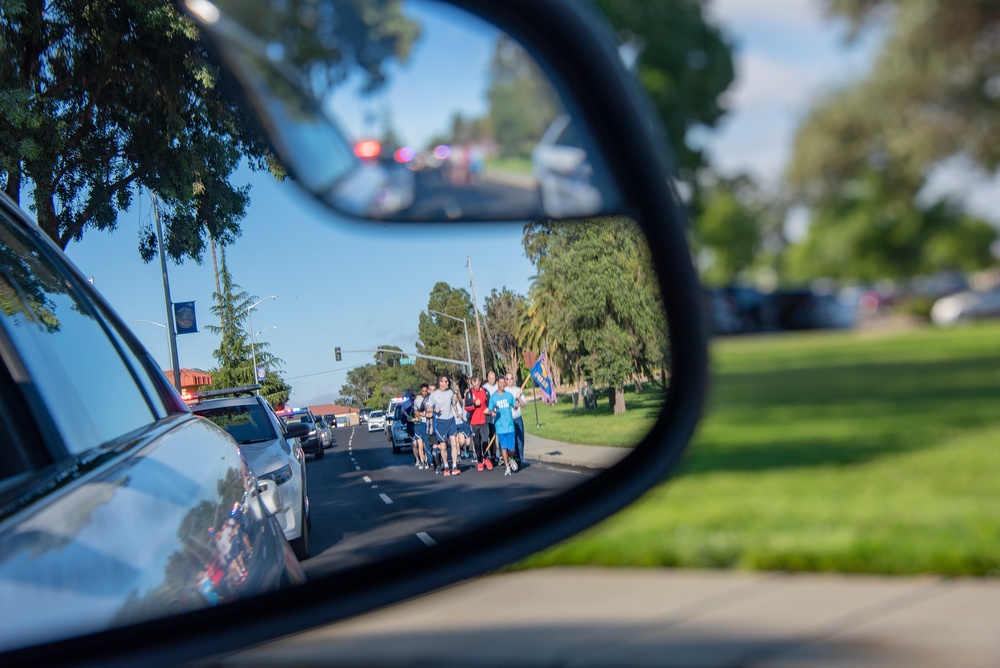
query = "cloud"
x=801 y=14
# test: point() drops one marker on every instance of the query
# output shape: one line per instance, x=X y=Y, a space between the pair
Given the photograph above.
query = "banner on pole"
x=184 y=318
x=540 y=374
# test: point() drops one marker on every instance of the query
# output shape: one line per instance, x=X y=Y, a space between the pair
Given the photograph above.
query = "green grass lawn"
x=847 y=451
x=598 y=427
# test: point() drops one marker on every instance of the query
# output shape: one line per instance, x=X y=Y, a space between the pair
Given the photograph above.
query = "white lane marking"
x=374 y=486
x=367 y=479
x=426 y=540
x=357 y=468
x=385 y=498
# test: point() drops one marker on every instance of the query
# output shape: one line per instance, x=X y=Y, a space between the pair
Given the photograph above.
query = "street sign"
x=261 y=373
x=406 y=360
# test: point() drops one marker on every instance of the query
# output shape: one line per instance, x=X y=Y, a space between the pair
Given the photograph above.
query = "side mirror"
x=296 y=430
x=268 y=500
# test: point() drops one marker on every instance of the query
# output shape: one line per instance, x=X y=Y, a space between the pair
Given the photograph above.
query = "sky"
x=361 y=285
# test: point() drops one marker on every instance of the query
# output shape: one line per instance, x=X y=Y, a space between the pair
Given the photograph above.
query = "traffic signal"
x=336 y=353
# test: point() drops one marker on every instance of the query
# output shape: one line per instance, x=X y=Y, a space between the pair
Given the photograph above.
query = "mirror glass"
x=409 y=110
x=522 y=269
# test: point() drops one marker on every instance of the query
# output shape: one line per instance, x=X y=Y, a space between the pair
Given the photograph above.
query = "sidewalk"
x=604 y=617
x=542 y=450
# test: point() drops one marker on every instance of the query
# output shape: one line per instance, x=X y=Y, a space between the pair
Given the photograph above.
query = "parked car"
x=117 y=505
x=399 y=437
x=325 y=432
x=271 y=449
x=965 y=307
x=376 y=421
x=312 y=443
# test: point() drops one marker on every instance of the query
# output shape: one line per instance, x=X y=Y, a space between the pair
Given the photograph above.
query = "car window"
x=90 y=391
x=247 y=423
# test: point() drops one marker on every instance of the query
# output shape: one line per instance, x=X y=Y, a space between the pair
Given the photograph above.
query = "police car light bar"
x=224 y=392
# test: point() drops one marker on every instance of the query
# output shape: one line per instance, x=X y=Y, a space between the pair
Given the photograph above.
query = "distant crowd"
x=483 y=422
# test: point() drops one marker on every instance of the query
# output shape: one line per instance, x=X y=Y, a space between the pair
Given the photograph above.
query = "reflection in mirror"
x=410 y=110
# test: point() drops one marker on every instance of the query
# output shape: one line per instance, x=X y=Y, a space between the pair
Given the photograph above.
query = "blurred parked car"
x=271 y=450
x=117 y=505
x=965 y=307
x=564 y=172
x=376 y=421
x=325 y=432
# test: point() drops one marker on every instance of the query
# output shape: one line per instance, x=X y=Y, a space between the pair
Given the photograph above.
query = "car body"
x=331 y=420
x=376 y=421
x=363 y=414
x=270 y=451
x=966 y=306
x=564 y=174
x=399 y=435
x=390 y=416
x=325 y=432
x=106 y=479
x=312 y=443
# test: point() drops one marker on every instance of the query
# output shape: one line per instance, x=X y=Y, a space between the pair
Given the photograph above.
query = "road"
x=368 y=503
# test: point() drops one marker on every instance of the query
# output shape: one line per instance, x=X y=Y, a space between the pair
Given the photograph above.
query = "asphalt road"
x=367 y=502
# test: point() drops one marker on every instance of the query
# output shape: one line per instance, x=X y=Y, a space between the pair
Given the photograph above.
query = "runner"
x=491 y=386
x=418 y=429
x=463 y=437
x=519 y=401
x=431 y=442
x=444 y=403
x=475 y=405
x=500 y=407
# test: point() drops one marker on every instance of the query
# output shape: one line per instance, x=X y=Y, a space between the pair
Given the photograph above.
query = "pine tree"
x=234 y=356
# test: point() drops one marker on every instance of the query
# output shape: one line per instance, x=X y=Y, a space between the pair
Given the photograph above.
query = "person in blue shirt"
x=501 y=406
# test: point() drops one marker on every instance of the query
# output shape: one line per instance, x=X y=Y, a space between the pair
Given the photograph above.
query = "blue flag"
x=540 y=374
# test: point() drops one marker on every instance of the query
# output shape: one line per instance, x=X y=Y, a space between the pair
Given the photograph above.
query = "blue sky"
x=359 y=285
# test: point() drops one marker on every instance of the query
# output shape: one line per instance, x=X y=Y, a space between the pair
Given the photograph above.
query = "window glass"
x=247 y=423
x=88 y=389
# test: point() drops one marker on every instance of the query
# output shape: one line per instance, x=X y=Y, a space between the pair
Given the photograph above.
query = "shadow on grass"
x=839 y=415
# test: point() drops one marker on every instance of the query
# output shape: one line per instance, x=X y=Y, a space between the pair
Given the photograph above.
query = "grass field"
x=599 y=427
x=847 y=451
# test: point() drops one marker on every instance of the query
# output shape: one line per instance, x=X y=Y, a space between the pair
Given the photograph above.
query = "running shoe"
x=507 y=471
x=447 y=471
x=479 y=466
x=513 y=465
x=456 y=471
x=488 y=464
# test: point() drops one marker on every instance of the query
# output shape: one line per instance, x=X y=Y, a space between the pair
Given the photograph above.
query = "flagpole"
x=535 y=402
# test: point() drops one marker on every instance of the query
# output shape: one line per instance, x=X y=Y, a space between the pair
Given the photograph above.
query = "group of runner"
x=482 y=421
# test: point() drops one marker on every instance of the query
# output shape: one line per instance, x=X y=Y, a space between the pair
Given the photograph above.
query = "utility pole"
x=475 y=308
x=171 y=332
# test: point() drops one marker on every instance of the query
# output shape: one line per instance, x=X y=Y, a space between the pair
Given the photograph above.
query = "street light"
x=465 y=324
x=264 y=330
x=165 y=331
x=253 y=338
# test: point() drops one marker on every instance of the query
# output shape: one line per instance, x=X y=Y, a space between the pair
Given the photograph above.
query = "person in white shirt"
x=519 y=402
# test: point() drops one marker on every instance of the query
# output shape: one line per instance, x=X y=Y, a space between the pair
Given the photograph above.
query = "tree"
x=441 y=336
x=869 y=234
x=866 y=150
x=504 y=312
x=597 y=281
x=99 y=97
x=685 y=63
x=234 y=355
x=727 y=234
x=517 y=84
